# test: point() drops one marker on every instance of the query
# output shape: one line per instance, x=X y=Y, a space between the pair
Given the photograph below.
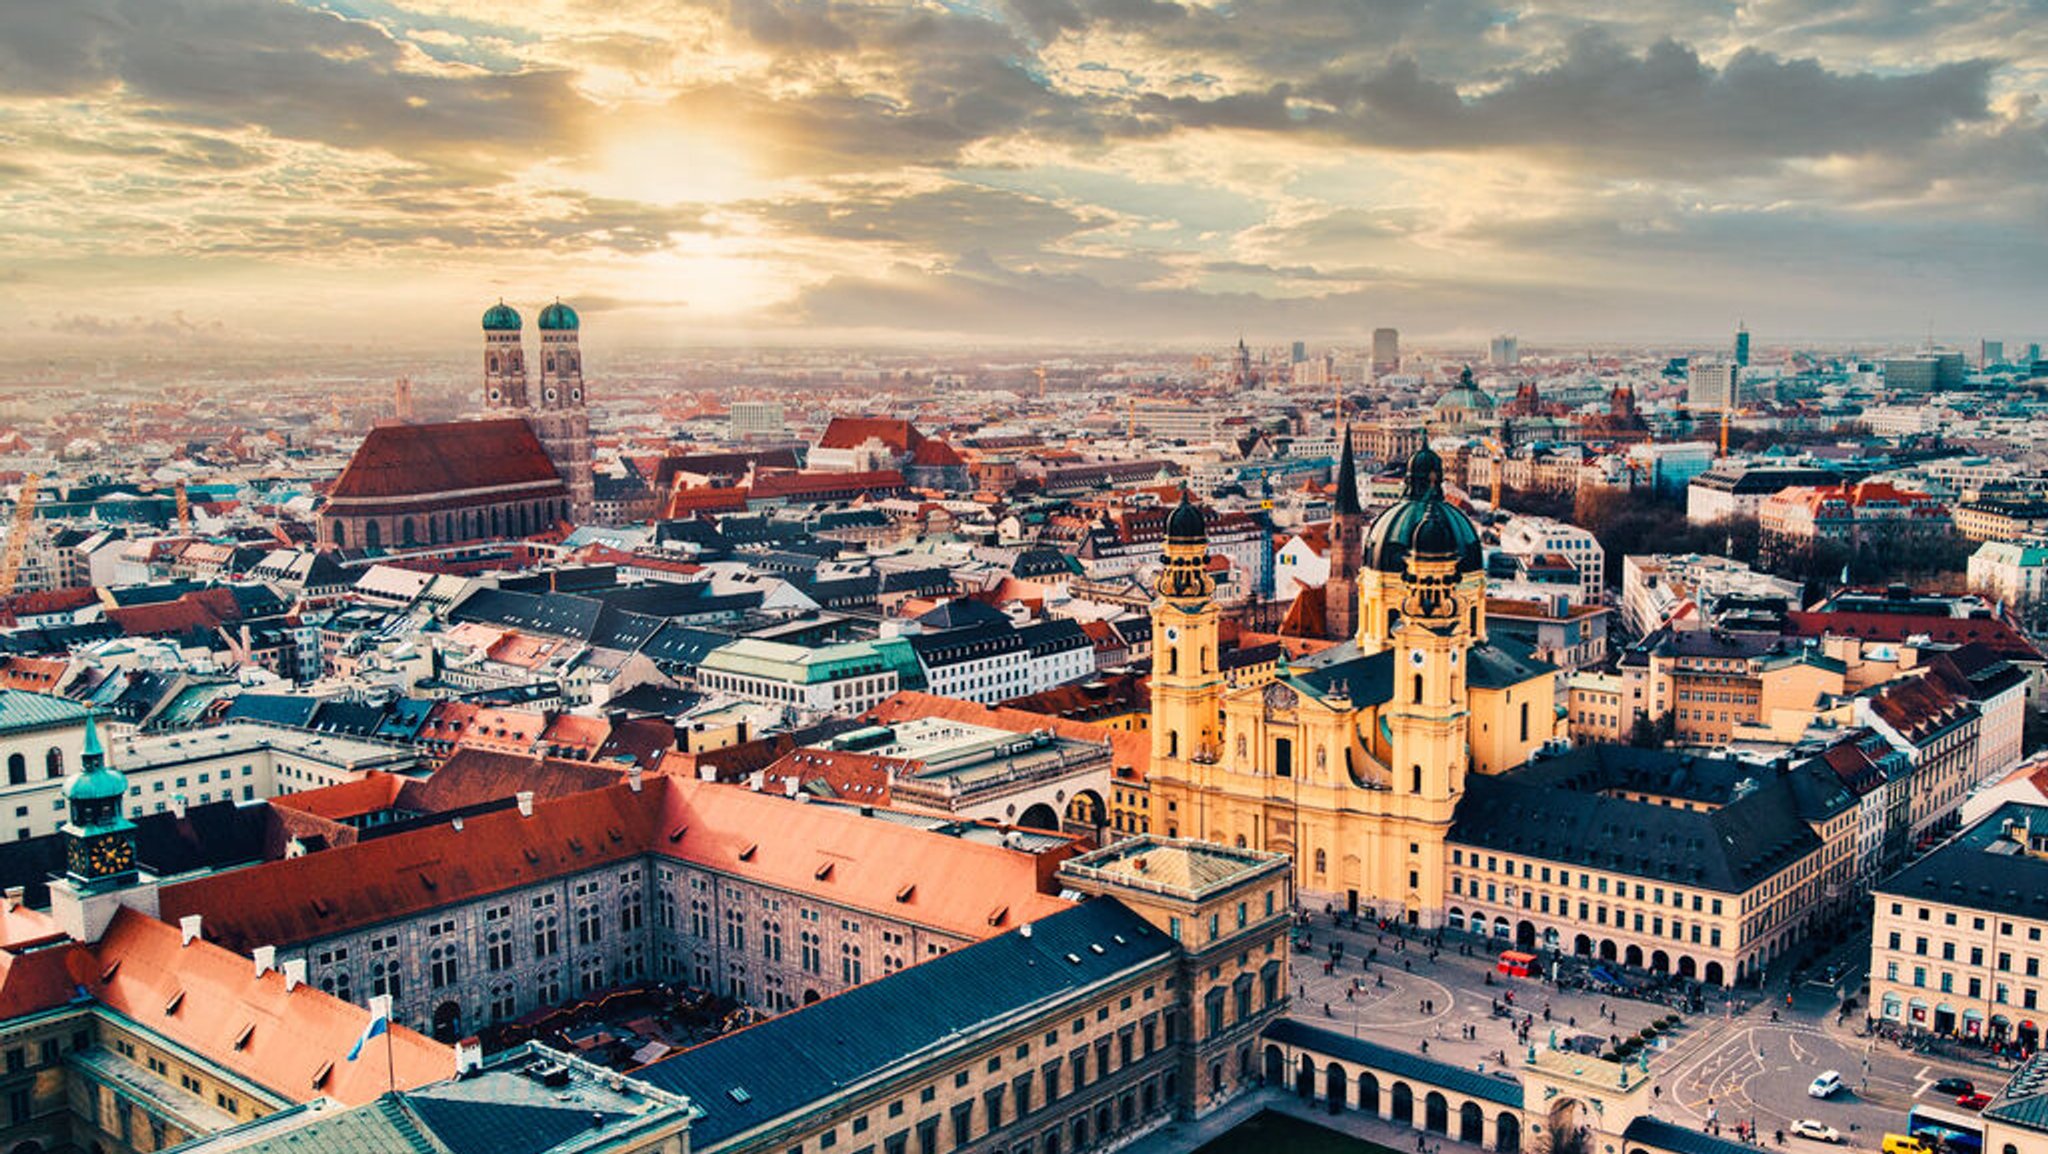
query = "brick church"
x=524 y=468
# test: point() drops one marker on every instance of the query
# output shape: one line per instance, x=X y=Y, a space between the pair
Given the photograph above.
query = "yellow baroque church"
x=1352 y=759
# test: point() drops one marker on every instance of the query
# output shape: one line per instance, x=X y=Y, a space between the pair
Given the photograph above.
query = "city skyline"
x=263 y=172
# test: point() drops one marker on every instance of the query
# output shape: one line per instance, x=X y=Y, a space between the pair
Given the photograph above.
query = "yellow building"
x=1354 y=758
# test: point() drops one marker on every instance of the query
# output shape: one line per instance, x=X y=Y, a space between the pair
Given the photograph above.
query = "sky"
x=376 y=172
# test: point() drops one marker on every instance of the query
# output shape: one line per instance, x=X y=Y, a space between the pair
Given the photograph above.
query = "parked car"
x=1973 y=1100
x=1825 y=1085
x=1955 y=1086
x=1906 y=1144
x=1818 y=1131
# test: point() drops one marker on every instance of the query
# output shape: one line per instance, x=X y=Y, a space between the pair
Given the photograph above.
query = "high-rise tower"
x=504 y=359
x=561 y=420
x=1741 y=345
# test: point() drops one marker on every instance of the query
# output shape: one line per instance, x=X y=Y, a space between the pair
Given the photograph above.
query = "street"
x=1732 y=1065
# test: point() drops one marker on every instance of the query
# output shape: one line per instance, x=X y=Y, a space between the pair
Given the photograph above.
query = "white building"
x=1527 y=537
x=2009 y=572
x=844 y=678
x=1713 y=385
x=757 y=419
x=1680 y=590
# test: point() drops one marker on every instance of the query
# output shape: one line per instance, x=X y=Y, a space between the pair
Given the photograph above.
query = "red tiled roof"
x=936 y=454
x=1916 y=706
x=424 y=460
x=928 y=878
x=1993 y=634
x=209 y=1000
x=32 y=674
x=1308 y=615
x=776 y=486
x=852 y=432
x=198 y=610
x=374 y=791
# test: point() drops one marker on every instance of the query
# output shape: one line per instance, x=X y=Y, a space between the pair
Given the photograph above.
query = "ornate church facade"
x=1353 y=759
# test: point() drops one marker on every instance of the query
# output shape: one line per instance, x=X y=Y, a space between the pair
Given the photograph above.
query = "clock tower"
x=1187 y=677
x=100 y=871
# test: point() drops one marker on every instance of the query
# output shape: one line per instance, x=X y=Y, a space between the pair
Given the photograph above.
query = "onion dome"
x=501 y=318
x=1184 y=525
x=558 y=317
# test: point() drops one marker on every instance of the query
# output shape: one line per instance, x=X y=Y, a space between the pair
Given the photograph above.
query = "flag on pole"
x=380 y=1022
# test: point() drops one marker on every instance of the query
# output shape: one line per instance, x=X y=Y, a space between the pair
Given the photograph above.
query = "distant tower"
x=1741 y=345
x=504 y=359
x=401 y=399
x=1241 y=365
x=561 y=420
x=1386 y=352
x=100 y=873
x=1347 y=534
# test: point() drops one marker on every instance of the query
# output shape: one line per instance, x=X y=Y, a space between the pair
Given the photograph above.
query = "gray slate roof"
x=787 y=1064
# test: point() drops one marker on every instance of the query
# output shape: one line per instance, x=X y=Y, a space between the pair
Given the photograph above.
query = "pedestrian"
x=1425 y=1045
x=1572 y=1022
x=1326 y=1011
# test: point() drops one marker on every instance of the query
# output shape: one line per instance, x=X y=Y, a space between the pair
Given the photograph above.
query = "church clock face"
x=1415 y=657
x=112 y=857
x=1172 y=634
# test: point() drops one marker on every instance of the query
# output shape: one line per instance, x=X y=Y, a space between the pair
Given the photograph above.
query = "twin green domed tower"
x=557 y=411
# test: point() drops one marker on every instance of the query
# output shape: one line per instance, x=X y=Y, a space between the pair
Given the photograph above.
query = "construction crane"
x=184 y=511
x=17 y=538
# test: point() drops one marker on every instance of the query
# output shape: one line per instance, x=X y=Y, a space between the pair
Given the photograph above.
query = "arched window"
x=53 y=763
x=340 y=535
x=406 y=532
x=17 y=769
x=1172 y=743
x=1418 y=689
x=1204 y=654
x=1415 y=780
x=373 y=535
x=1173 y=661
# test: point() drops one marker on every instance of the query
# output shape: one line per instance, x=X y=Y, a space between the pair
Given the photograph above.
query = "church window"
x=1203 y=656
x=1415 y=780
x=17 y=769
x=1283 y=757
x=1322 y=862
x=373 y=536
x=1173 y=661
x=1173 y=743
x=53 y=763
x=340 y=535
x=1525 y=721
x=406 y=532
x=1418 y=689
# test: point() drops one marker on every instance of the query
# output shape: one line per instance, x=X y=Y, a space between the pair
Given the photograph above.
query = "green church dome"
x=558 y=317
x=1423 y=524
x=96 y=781
x=501 y=318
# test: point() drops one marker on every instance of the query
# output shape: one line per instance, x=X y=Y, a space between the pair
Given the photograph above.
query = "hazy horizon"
x=267 y=175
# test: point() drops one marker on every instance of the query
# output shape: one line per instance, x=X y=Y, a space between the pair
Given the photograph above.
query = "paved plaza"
x=1746 y=1060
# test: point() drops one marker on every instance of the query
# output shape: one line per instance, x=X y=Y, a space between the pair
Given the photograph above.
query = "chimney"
x=633 y=778
x=188 y=929
x=294 y=848
x=756 y=779
x=469 y=1057
x=525 y=799
x=294 y=973
x=266 y=959
x=456 y=824
x=178 y=806
x=707 y=773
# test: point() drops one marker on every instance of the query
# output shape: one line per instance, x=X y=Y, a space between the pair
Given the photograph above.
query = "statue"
x=1532 y=1053
x=1553 y=1037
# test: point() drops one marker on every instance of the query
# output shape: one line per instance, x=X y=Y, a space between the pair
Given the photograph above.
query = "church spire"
x=1347 y=479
